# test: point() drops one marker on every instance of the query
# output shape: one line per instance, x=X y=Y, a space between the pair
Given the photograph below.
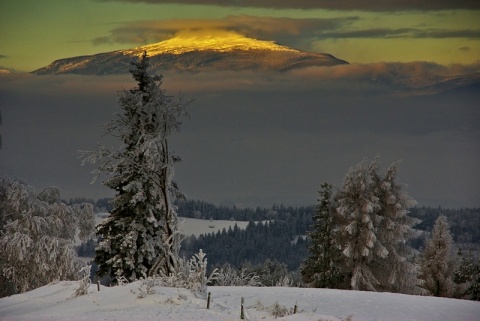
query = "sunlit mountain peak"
x=197 y=51
x=221 y=41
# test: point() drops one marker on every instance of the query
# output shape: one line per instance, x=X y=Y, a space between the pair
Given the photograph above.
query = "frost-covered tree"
x=438 y=261
x=320 y=269
x=357 y=217
x=37 y=231
x=372 y=230
x=397 y=272
x=141 y=237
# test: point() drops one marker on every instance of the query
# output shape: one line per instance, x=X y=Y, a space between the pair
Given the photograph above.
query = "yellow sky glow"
x=220 y=40
x=52 y=30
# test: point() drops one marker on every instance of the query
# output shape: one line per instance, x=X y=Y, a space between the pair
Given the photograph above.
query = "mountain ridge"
x=195 y=54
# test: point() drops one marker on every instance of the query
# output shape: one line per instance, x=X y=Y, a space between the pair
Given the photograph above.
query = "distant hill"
x=195 y=53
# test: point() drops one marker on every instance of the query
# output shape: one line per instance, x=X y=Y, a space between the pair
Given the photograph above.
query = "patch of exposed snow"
x=193 y=226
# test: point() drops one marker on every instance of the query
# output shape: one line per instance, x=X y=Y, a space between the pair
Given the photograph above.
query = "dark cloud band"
x=293 y=32
x=297 y=33
x=366 y=5
x=402 y=33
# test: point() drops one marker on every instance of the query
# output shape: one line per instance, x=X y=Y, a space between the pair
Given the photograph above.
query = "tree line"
x=269 y=227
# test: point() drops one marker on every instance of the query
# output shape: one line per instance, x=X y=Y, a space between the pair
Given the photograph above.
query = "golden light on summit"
x=217 y=40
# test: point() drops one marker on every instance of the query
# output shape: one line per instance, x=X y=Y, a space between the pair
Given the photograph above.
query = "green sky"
x=34 y=33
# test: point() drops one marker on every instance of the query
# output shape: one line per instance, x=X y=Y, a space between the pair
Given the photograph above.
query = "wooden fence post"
x=208 y=301
x=242 y=315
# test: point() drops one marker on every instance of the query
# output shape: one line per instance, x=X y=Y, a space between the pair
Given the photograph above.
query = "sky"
x=34 y=33
x=257 y=138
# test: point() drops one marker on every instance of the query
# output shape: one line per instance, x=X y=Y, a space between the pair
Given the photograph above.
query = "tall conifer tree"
x=356 y=214
x=396 y=272
x=372 y=230
x=319 y=269
x=438 y=261
x=141 y=235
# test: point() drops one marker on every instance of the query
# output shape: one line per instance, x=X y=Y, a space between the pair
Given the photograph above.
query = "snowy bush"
x=189 y=274
x=286 y=281
x=84 y=282
x=36 y=235
x=273 y=273
x=197 y=279
x=229 y=276
x=278 y=310
x=146 y=288
x=121 y=280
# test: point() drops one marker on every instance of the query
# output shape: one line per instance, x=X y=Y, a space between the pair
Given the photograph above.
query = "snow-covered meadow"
x=193 y=226
x=54 y=302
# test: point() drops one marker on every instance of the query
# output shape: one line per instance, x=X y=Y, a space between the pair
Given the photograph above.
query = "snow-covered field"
x=193 y=226
x=54 y=302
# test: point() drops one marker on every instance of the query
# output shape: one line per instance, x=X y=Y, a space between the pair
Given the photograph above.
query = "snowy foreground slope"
x=54 y=302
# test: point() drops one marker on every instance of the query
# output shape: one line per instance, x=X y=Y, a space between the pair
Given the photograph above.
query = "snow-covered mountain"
x=197 y=52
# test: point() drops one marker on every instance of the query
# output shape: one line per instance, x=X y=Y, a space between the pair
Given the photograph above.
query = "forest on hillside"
x=279 y=233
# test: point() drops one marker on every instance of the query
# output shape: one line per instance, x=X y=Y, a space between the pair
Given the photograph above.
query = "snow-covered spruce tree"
x=356 y=216
x=438 y=261
x=467 y=276
x=396 y=272
x=36 y=236
x=320 y=268
x=140 y=237
x=372 y=228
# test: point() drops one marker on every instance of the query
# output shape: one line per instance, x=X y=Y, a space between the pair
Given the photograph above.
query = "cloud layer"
x=283 y=30
x=261 y=138
x=367 y=5
x=300 y=33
